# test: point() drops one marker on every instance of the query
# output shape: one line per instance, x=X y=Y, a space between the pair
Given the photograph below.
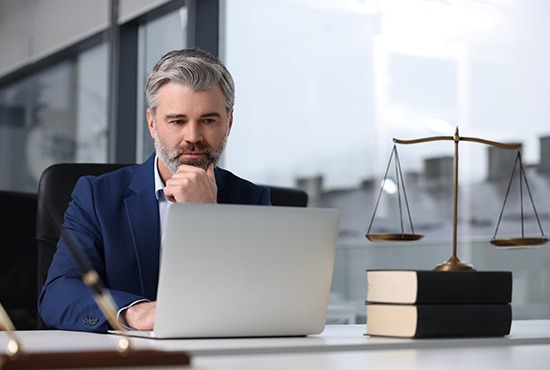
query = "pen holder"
x=94 y=359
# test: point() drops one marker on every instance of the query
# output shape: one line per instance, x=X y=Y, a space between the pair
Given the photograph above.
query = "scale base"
x=454 y=264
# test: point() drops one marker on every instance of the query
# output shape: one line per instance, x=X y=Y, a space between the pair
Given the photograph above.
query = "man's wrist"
x=121 y=313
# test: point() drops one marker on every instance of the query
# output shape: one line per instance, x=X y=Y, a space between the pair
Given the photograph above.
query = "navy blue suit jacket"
x=114 y=219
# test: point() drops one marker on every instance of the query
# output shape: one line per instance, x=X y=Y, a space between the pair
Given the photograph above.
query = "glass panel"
x=323 y=87
x=38 y=128
x=156 y=38
x=56 y=115
x=92 y=107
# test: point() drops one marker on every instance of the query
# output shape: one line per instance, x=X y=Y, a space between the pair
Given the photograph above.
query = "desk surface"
x=338 y=347
x=533 y=357
x=347 y=338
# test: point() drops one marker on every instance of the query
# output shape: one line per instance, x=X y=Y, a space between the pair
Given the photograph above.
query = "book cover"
x=431 y=286
x=439 y=320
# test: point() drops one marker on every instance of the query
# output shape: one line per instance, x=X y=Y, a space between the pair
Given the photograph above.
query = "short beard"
x=171 y=158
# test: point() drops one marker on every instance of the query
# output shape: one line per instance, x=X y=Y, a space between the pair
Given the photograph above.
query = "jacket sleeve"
x=65 y=301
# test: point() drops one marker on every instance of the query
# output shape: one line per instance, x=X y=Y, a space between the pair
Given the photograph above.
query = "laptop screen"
x=240 y=270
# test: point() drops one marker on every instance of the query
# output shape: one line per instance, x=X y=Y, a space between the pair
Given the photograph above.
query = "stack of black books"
x=430 y=303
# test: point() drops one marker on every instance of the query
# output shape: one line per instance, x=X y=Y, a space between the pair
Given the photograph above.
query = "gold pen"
x=14 y=345
x=102 y=296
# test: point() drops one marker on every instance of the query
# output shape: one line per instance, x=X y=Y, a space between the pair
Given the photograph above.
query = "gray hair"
x=193 y=68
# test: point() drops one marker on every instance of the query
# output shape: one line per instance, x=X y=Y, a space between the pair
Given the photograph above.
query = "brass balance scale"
x=454 y=263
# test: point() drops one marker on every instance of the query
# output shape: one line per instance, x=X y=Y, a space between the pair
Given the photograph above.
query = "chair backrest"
x=54 y=190
x=19 y=258
x=290 y=197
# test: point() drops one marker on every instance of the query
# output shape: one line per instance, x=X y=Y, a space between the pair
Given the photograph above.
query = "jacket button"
x=90 y=321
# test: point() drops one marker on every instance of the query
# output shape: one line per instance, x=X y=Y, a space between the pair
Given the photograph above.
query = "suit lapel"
x=143 y=216
x=223 y=195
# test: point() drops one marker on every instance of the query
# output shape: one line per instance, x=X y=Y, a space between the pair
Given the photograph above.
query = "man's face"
x=190 y=127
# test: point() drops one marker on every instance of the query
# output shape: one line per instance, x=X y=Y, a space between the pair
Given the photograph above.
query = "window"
x=324 y=86
x=55 y=115
x=58 y=110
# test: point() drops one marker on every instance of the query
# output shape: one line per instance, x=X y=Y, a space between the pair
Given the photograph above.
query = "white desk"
x=338 y=347
x=532 y=357
x=346 y=338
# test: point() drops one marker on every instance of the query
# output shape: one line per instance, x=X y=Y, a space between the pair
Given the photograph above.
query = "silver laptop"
x=245 y=271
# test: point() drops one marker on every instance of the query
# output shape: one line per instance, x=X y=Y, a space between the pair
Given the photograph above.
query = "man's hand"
x=192 y=184
x=140 y=316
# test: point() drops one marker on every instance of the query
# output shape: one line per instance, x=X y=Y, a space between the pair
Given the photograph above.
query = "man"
x=117 y=219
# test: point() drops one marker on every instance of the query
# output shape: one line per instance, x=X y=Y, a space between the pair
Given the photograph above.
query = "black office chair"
x=288 y=197
x=54 y=191
x=19 y=258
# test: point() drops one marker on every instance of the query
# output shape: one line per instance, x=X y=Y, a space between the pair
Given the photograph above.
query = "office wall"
x=32 y=29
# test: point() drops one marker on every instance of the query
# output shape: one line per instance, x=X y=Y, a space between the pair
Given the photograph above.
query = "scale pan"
x=519 y=242
x=380 y=238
